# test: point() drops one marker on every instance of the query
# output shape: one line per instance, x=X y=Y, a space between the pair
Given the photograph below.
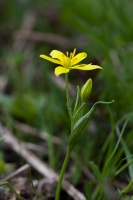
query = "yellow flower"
x=67 y=63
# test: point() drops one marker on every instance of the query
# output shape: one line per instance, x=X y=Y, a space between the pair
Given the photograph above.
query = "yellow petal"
x=61 y=70
x=50 y=59
x=79 y=57
x=58 y=55
x=86 y=67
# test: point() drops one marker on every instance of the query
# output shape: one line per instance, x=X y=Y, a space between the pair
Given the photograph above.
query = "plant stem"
x=62 y=174
x=12 y=189
x=68 y=98
x=68 y=150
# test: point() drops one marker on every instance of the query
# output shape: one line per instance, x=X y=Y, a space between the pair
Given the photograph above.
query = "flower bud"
x=86 y=90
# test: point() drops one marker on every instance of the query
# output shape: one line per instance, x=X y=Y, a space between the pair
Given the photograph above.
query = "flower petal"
x=78 y=58
x=59 y=55
x=86 y=67
x=61 y=70
x=50 y=59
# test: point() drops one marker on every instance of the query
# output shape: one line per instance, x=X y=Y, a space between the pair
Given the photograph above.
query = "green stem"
x=57 y=197
x=68 y=98
x=12 y=189
x=62 y=174
x=127 y=189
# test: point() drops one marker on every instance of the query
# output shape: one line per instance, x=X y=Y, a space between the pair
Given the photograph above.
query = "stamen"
x=73 y=54
x=67 y=53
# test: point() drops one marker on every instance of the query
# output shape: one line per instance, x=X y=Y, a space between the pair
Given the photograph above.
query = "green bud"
x=86 y=90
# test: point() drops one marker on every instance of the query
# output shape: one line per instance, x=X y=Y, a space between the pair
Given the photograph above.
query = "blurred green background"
x=30 y=93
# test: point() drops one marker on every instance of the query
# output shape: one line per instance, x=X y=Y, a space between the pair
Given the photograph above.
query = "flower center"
x=67 y=62
x=67 y=59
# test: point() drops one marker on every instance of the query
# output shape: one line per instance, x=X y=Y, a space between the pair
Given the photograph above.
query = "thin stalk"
x=62 y=174
x=68 y=98
x=12 y=189
x=57 y=197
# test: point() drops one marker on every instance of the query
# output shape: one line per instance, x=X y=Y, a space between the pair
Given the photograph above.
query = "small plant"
x=78 y=117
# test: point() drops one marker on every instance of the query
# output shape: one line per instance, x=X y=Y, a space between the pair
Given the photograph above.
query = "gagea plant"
x=78 y=117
